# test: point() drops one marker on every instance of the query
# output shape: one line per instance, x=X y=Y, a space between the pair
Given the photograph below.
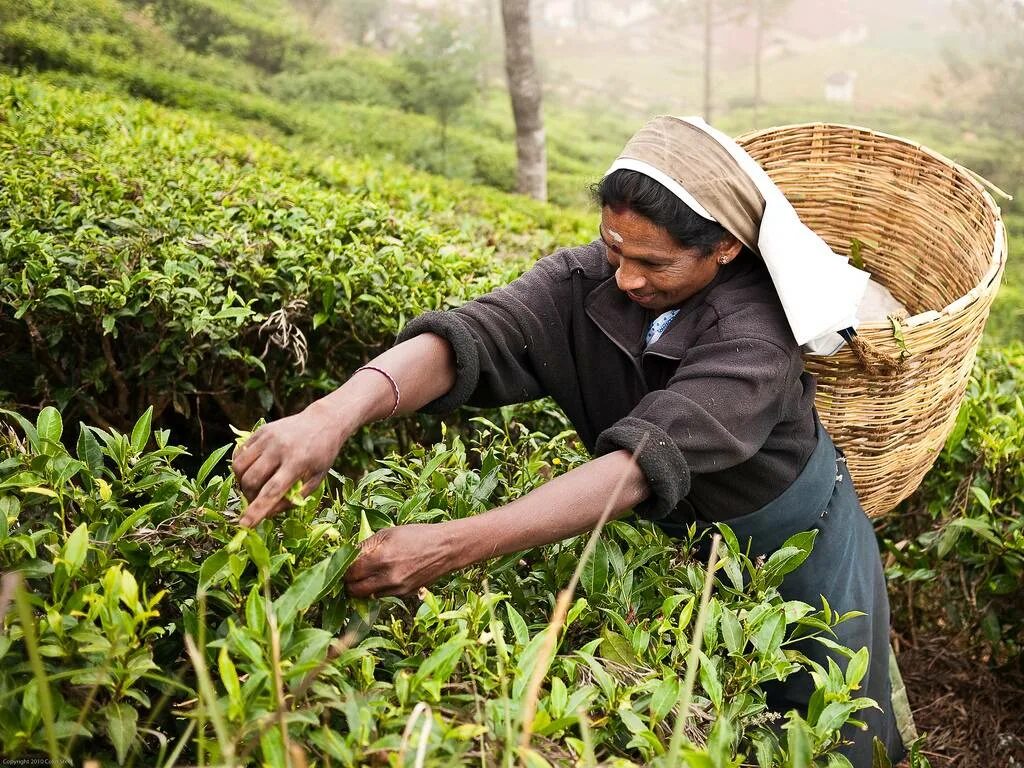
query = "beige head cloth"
x=714 y=176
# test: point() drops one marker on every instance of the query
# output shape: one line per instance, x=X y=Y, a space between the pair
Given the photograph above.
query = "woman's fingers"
x=371 y=587
x=252 y=480
x=367 y=564
x=267 y=502
x=247 y=453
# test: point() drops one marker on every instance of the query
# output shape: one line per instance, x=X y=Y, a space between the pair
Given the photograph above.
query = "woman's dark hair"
x=646 y=197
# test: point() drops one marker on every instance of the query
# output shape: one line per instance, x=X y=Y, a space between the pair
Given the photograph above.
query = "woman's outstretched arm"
x=399 y=560
x=303 y=447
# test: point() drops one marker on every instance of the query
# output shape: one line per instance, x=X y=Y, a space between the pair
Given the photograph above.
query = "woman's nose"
x=628 y=278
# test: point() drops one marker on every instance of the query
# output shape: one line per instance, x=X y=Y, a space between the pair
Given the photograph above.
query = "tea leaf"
x=664 y=698
x=301 y=594
x=141 y=431
x=595 y=571
x=213 y=569
x=122 y=727
x=342 y=557
x=26 y=426
x=49 y=425
x=211 y=462
x=857 y=668
x=710 y=681
x=558 y=698
x=519 y=628
x=856 y=258
x=615 y=647
x=229 y=679
x=833 y=717
x=732 y=631
x=76 y=548
x=365 y=531
x=798 y=744
x=88 y=449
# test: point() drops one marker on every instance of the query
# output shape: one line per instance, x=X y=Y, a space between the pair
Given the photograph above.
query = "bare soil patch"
x=972 y=714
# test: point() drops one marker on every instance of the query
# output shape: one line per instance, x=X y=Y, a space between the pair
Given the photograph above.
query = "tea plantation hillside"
x=252 y=63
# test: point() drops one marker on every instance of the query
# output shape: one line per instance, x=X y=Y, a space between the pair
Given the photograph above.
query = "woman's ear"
x=728 y=248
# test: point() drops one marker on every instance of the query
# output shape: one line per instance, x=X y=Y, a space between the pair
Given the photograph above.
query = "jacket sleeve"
x=716 y=412
x=500 y=340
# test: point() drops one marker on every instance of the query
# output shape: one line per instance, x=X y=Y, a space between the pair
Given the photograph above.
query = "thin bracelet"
x=394 y=385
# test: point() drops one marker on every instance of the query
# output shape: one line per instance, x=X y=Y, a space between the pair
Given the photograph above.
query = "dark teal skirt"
x=846 y=568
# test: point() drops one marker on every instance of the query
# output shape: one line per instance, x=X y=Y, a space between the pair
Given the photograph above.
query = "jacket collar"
x=625 y=322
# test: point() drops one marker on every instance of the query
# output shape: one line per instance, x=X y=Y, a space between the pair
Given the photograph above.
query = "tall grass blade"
x=208 y=697
x=693 y=658
x=28 y=629
x=589 y=758
x=176 y=753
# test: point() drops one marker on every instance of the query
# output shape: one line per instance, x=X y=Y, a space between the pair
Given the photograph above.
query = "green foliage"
x=149 y=259
x=996 y=27
x=264 y=36
x=359 y=104
x=359 y=77
x=443 y=63
x=160 y=627
x=1006 y=321
x=362 y=17
x=962 y=537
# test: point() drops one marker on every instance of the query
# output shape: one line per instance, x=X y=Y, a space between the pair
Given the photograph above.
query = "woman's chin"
x=647 y=301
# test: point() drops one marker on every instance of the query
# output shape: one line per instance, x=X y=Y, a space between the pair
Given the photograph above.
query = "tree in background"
x=709 y=25
x=361 y=17
x=443 y=64
x=710 y=14
x=766 y=14
x=524 y=88
x=999 y=27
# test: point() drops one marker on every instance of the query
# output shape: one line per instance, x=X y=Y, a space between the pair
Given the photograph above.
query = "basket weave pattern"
x=932 y=235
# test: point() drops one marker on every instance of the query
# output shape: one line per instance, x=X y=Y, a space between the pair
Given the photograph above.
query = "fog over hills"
x=652 y=57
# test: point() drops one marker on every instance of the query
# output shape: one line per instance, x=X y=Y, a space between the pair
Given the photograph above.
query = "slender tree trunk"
x=524 y=88
x=758 y=55
x=708 y=23
x=581 y=12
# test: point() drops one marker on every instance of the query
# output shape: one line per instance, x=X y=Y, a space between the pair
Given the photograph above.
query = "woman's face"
x=650 y=267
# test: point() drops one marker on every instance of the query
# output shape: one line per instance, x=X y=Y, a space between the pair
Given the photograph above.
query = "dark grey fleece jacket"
x=722 y=396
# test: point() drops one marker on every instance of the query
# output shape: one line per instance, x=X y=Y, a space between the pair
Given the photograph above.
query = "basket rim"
x=997 y=261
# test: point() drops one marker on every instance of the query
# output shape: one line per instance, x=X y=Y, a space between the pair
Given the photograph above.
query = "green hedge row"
x=265 y=36
x=150 y=259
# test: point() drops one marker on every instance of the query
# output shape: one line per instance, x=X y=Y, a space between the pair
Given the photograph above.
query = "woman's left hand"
x=400 y=560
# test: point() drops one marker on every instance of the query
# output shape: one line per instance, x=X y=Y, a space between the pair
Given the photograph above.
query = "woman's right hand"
x=303 y=447
x=296 y=448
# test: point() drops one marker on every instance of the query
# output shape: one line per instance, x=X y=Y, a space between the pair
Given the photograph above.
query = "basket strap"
x=874 y=360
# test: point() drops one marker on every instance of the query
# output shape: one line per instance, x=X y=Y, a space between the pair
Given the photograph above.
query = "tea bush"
x=959 y=543
x=150 y=259
x=356 y=77
x=265 y=36
x=151 y=626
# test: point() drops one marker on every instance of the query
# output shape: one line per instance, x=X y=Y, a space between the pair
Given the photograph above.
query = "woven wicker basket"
x=932 y=235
